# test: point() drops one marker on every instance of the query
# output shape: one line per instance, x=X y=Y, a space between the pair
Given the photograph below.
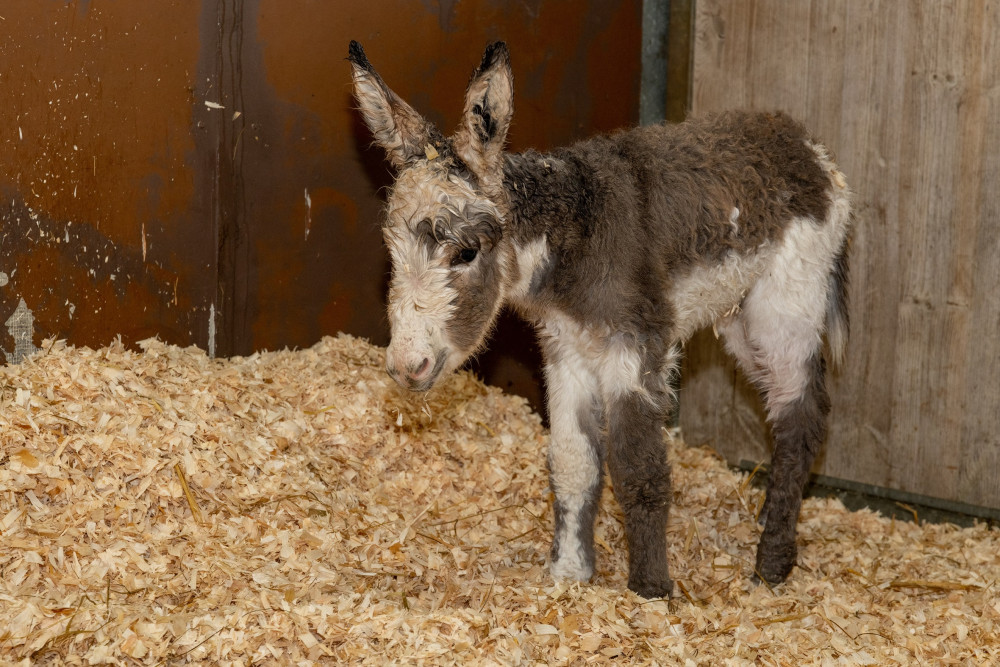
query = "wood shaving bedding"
x=162 y=507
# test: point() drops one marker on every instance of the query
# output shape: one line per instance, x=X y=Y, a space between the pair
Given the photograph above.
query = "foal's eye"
x=464 y=256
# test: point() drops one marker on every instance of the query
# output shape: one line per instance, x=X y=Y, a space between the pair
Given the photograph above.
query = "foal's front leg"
x=575 y=465
x=640 y=473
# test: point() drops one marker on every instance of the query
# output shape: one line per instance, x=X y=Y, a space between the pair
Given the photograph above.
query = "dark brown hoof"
x=774 y=569
x=652 y=589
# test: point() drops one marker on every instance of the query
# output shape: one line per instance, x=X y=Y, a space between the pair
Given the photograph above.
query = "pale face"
x=448 y=260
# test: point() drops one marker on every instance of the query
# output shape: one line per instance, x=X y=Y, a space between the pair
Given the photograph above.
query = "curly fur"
x=618 y=248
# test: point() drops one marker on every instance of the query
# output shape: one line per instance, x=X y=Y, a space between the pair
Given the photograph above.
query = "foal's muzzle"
x=416 y=374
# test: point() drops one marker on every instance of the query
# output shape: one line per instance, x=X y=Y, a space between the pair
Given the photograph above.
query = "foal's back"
x=682 y=182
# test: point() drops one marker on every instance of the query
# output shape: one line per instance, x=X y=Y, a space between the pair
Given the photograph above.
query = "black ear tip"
x=495 y=52
x=356 y=55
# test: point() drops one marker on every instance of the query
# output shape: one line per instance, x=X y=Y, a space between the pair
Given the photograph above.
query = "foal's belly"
x=708 y=293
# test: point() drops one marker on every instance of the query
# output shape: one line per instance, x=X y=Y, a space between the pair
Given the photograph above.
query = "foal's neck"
x=546 y=193
x=549 y=203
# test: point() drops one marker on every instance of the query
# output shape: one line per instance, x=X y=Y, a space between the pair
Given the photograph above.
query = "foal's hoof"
x=774 y=571
x=652 y=589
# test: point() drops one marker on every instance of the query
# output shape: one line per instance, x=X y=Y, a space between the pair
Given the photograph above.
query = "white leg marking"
x=573 y=461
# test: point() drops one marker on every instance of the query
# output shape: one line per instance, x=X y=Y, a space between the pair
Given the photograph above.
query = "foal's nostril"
x=422 y=370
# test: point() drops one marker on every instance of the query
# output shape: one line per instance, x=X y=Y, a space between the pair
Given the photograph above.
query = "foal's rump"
x=758 y=215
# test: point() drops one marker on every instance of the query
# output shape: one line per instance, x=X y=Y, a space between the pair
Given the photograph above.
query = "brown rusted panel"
x=315 y=211
x=165 y=161
x=101 y=228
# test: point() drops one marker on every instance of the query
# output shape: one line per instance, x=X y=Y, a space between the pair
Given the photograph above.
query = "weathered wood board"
x=907 y=95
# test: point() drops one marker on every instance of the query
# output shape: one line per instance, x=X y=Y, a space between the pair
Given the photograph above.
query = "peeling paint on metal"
x=21 y=326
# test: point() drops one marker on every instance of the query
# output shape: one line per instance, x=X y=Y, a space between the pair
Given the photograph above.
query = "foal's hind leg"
x=799 y=429
x=792 y=383
x=777 y=341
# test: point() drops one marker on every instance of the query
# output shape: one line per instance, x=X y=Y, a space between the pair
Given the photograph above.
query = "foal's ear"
x=397 y=127
x=489 y=105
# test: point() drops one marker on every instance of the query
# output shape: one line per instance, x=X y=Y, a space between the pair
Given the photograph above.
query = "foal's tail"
x=838 y=323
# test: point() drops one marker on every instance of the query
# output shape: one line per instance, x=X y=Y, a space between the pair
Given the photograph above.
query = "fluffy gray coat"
x=617 y=249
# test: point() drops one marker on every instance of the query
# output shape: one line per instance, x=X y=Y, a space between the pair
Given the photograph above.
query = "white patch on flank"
x=771 y=307
x=785 y=313
x=780 y=326
x=572 y=460
x=707 y=294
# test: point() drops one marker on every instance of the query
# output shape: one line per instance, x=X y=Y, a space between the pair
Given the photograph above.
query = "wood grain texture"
x=906 y=95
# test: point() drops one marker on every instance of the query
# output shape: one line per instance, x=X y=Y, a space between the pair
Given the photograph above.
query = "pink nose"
x=411 y=374
x=423 y=369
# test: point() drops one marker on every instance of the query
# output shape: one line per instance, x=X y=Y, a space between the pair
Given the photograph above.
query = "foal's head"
x=444 y=222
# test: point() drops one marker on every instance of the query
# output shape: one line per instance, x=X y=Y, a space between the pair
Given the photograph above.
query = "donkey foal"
x=617 y=249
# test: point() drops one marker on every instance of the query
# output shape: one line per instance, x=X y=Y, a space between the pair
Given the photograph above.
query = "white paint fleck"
x=4 y=279
x=211 y=330
x=309 y=204
x=213 y=105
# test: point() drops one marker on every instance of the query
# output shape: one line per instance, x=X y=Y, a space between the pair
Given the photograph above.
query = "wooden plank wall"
x=907 y=95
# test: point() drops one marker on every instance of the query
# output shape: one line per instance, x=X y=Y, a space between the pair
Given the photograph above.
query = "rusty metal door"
x=195 y=170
